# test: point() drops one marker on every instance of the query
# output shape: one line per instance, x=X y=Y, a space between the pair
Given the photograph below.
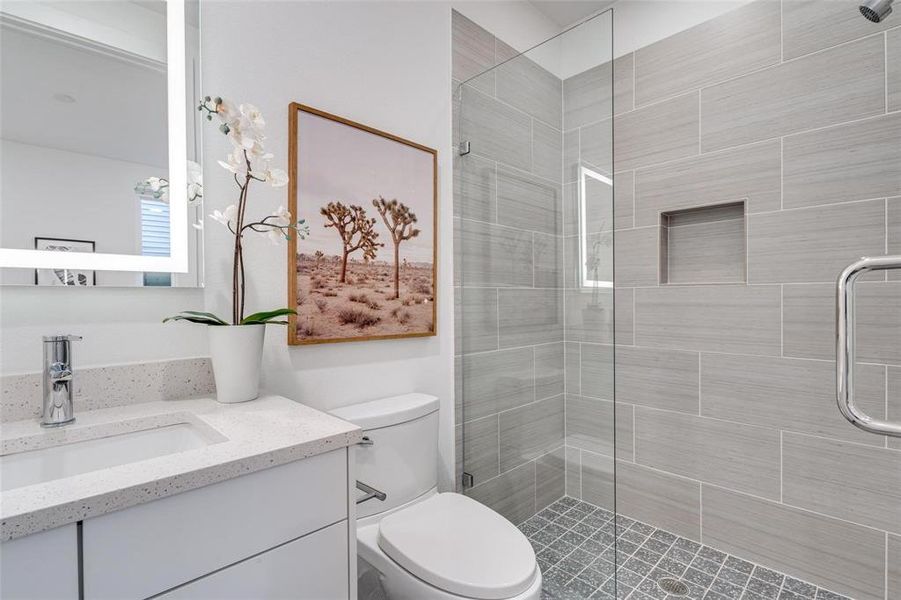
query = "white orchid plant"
x=158 y=187
x=248 y=161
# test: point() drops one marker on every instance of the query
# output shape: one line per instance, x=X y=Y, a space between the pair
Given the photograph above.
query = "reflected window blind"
x=154 y=228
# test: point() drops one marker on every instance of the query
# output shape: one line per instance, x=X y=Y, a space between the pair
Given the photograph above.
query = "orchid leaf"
x=267 y=316
x=195 y=316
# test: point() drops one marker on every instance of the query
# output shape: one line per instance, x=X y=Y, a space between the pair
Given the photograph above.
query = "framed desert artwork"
x=367 y=269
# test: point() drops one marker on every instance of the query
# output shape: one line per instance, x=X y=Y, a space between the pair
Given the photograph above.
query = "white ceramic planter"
x=237 y=352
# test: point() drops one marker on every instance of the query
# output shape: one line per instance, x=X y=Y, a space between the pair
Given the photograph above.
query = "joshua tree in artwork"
x=318 y=256
x=354 y=228
x=400 y=221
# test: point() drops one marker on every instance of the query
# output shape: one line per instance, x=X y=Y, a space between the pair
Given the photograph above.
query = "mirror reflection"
x=84 y=137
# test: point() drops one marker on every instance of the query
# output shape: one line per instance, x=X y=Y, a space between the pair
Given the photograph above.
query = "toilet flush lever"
x=371 y=493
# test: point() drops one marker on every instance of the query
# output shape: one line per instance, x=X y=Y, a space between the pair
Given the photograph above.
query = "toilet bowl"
x=419 y=544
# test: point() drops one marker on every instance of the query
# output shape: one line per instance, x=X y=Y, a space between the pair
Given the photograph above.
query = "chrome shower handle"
x=845 y=344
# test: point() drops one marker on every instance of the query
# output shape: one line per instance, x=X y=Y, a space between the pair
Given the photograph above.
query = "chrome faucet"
x=59 y=371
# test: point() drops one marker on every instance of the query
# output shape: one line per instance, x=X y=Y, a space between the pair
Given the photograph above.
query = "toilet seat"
x=460 y=546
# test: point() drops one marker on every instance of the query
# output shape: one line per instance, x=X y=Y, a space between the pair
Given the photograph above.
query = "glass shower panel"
x=533 y=201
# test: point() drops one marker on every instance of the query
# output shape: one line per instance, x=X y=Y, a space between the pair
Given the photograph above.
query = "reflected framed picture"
x=367 y=269
x=67 y=277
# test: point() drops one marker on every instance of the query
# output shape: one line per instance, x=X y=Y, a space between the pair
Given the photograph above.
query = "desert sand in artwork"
x=364 y=305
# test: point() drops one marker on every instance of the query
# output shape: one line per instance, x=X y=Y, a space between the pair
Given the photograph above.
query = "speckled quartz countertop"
x=241 y=438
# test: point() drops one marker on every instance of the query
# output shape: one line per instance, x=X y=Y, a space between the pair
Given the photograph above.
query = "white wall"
x=384 y=64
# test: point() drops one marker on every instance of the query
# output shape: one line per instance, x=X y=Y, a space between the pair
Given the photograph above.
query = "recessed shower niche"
x=704 y=245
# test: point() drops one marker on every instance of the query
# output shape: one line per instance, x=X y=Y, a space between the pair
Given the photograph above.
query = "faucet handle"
x=63 y=338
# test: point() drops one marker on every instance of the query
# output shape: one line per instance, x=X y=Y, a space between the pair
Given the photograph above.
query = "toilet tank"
x=402 y=459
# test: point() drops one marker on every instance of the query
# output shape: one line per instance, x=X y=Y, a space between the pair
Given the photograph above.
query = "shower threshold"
x=574 y=542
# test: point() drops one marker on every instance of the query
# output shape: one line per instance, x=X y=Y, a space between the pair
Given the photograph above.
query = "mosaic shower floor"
x=574 y=542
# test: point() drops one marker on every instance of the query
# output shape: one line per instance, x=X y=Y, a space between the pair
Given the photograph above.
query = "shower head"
x=876 y=10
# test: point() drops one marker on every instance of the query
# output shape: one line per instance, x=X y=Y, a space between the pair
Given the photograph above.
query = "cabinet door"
x=42 y=566
x=314 y=567
x=149 y=548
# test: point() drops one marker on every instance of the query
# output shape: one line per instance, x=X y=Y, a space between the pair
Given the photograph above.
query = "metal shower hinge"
x=468 y=480
x=464 y=148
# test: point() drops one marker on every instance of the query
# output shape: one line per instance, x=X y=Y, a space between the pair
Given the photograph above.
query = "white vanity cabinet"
x=283 y=532
x=43 y=565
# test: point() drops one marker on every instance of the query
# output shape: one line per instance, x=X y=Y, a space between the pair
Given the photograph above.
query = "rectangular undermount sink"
x=65 y=457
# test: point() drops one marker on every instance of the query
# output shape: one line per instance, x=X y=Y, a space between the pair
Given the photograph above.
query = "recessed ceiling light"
x=64 y=98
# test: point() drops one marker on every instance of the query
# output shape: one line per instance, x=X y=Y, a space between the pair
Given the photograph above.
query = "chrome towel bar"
x=845 y=344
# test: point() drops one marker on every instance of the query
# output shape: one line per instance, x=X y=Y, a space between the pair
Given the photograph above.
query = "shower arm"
x=845 y=344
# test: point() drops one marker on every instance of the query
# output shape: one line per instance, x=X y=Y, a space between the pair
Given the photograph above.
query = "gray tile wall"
x=734 y=438
x=509 y=299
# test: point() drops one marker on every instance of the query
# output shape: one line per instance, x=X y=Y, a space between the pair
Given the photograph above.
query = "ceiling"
x=569 y=12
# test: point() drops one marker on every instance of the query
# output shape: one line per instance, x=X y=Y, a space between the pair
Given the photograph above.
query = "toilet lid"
x=461 y=546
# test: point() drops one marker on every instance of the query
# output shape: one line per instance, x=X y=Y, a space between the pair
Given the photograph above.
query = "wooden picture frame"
x=386 y=287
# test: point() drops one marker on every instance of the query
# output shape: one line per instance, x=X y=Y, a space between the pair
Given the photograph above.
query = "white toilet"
x=419 y=544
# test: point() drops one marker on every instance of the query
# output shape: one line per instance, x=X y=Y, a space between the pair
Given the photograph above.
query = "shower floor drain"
x=672 y=586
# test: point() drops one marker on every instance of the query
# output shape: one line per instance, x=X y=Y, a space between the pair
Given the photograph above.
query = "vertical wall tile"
x=737 y=42
x=589 y=424
x=667 y=501
x=479 y=448
x=475 y=187
x=624 y=300
x=550 y=478
x=731 y=455
x=893 y=408
x=814 y=244
x=548 y=260
x=530 y=317
x=549 y=360
x=598 y=480
x=894 y=566
x=839 y=556
x=809 y=322
x=522 y=83
x=589 y=316
x=473 y=52
x=657 y=133
x=597 y=371
x=587 y=97
x=492 y=255
x=477 y=324
x=893 y=53
x=496 y=381
x=694 y=318
x=811 y=25
x=571 y=155
x=750 y=173
x=530 y=431
x=596 y=147
x=787 y=393
x=528 y=202
x=856 y=161
x=624 y=417
x=893 y=227
x=624 y=83
x=495 y=130
x=842 y=479
x=796 y=96
x=573 y=472
x=637 y=253
x=547 y=151
x=512 y=494
x=623 y=201
x=573 y=358
x=666 y=379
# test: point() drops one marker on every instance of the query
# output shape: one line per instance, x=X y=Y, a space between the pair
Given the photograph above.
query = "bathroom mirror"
x=100 y=180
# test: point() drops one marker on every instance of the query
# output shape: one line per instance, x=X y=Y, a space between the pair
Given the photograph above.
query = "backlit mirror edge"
x=177 y=261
